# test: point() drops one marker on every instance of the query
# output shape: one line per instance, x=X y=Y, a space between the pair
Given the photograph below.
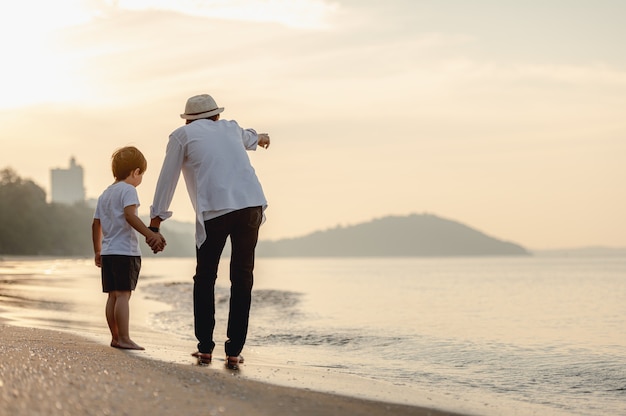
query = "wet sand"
x=57 y=373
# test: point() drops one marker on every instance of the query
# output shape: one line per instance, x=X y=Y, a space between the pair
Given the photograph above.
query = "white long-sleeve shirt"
x=217 y=171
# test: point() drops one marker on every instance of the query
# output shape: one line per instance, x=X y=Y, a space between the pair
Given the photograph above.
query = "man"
x=229 y=201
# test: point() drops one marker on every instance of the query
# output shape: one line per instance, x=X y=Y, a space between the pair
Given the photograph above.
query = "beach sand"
x=44 y=372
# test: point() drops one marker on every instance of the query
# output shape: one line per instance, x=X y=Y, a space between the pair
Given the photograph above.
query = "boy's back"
x=118 y=236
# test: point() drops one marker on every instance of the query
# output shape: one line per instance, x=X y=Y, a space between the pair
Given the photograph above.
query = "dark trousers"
x=243 y=228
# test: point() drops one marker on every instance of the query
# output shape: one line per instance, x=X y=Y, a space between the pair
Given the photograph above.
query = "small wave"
x=308 y=339
x=180 y=294
x=267 y=305
x=275 y=298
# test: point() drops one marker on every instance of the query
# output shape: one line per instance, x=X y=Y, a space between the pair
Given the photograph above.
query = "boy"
x=115 y=242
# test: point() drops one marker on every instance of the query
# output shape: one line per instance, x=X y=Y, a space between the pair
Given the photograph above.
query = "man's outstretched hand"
x=264 y=140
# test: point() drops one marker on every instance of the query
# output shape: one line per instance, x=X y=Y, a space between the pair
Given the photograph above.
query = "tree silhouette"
x=31 y=226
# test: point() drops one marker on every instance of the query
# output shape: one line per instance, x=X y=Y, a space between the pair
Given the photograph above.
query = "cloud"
x=599 y=74
x=309 y=14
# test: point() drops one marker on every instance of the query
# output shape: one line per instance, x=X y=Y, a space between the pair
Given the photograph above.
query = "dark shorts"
x=120 y=272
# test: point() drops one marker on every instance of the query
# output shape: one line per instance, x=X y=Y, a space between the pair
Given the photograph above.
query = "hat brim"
x=202 y=115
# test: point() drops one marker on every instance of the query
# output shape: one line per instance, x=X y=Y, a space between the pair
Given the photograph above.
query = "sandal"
x=204 y=358
x=233 y=361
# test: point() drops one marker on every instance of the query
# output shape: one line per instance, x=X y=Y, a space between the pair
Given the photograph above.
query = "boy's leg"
x=122 y=318
x=109 y=285
x=110 y=315
x=122 y=314
x=244 y=239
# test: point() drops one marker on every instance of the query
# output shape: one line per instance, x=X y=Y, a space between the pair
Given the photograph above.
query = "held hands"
x=156 y=241
x=263 y=140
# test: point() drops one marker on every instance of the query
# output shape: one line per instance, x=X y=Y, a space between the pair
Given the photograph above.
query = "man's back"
x=216 y=166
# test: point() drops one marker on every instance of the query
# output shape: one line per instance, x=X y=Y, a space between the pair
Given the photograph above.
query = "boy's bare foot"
x=115 y=344
x=130 y=345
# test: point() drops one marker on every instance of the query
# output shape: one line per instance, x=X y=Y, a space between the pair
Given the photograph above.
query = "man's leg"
x=207 y=261
x=244 y=238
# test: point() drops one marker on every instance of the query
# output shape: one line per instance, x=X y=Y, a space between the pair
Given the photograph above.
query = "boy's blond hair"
x=125 y=160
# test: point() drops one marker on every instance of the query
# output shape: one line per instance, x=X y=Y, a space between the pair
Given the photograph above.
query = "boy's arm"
x=96 y=237
x=154 y=240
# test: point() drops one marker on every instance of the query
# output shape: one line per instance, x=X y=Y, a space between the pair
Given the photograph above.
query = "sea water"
x=491 y=336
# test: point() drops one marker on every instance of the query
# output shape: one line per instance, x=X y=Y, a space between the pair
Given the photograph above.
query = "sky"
x=506 y=116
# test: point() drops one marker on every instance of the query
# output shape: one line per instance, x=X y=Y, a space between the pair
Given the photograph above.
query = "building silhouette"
x=67 y=184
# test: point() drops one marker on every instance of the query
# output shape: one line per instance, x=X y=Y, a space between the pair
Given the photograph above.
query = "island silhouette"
x=417 y=235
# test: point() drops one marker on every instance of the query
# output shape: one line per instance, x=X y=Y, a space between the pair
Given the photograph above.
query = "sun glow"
x=39 y=67
x=35 y=67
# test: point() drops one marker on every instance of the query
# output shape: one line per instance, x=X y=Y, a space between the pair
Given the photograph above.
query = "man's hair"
x=214 y=118
x=126 y=160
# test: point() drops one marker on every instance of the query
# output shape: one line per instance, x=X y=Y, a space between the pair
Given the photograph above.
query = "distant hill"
x=415 y=235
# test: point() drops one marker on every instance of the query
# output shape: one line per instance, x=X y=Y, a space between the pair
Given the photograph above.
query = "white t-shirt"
x=118 y=236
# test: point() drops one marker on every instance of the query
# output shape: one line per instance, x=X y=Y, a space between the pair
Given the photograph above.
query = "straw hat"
x=200 y=106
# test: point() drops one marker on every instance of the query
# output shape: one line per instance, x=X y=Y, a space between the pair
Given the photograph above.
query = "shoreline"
x=64 y=295
x=57 y=373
